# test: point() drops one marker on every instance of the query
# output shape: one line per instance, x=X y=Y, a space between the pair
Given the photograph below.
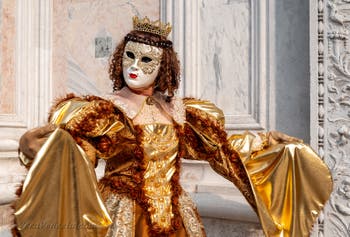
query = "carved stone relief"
x=334 y=111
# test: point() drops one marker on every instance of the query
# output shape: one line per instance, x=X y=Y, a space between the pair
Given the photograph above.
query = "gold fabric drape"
x=290 y=182
x=60 y=195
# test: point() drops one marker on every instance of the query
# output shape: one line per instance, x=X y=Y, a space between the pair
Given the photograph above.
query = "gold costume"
x=286 y=184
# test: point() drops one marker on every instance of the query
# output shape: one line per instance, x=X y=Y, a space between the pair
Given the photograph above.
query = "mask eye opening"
x=130 y=54
x=146 y=59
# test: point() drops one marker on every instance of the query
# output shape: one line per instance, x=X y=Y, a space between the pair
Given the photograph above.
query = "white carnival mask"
x=141 y=63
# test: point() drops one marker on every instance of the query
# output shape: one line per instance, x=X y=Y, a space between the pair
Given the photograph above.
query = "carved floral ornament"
x=334 y=110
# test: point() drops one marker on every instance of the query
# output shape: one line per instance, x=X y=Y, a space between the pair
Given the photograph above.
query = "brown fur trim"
x=176 y=188
x=193 y=144
x=86 y=122
x=14 y=231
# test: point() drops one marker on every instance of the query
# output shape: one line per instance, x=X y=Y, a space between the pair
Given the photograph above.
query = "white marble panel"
x=225 y=44
x=225 y=51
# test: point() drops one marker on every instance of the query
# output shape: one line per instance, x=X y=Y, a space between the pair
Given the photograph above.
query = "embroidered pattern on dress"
x=121 y=105
x=176 y=108
x=192 y=223
x=178 y=111
x=122 y=214
x=160 y=145
x=151 y=114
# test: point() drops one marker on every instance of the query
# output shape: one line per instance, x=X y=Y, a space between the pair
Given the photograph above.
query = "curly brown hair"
x=168 y=78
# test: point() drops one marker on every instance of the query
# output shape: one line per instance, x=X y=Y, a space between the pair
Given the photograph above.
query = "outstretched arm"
x=205 y=139
x=278 y=175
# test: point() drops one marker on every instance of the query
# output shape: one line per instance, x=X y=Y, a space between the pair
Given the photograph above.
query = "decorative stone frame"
x=330 y=106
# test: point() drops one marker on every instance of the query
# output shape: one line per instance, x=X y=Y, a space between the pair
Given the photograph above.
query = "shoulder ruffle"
x=89 y=115
x=204 y=109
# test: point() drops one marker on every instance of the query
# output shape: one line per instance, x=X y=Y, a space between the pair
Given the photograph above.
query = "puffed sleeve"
x=204 y=138
x=95 y=123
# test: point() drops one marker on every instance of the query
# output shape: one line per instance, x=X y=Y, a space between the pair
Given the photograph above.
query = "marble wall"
x=225 y=59
x=7 y=56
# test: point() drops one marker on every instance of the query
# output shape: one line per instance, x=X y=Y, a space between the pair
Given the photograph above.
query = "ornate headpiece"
x=155 y=27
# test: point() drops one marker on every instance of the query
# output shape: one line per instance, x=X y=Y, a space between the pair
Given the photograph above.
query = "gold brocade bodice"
x=160 y=147
x=150 y=173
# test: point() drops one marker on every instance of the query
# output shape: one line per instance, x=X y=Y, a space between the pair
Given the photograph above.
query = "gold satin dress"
x=140 y=189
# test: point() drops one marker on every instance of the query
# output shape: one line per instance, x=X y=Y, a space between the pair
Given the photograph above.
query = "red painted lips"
x=132 y=75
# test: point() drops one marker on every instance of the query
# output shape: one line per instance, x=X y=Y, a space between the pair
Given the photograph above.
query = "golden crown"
x=155 y=27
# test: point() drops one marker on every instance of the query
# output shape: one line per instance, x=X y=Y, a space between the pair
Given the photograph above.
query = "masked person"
x=142 y=130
